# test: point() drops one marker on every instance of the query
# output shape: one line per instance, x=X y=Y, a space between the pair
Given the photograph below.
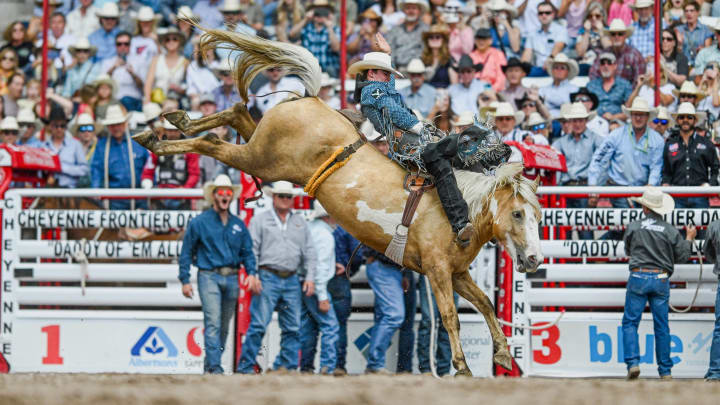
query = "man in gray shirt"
x=711 y=249
x=285 y=257
x=654 y=246
x=405 y=39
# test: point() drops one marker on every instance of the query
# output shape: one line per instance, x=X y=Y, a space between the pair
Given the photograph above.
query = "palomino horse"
x=366 y=195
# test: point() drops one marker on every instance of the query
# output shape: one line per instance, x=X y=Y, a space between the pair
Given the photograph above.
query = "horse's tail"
x=255 y=54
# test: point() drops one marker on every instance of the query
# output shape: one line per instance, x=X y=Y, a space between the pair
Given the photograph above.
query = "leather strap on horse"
x=396 y=249
x=255 y=179
x=333 y=163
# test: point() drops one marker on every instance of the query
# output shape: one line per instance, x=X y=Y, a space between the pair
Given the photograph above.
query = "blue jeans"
x=283 y=294
x=312 y=322
x=218 y=295
x=579 y=203
x=406 y=341
x=386 y=282
x=443 y=352
x=641 y=288
x=339 y=289
x=131 y=103
x=713 y=372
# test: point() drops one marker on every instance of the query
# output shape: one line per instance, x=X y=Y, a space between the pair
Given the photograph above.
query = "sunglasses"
x=58 y=125
x=10 y=58
x=122 y=43
x=660 y=121
x=596 y=16
x=606 y=62
x=25 y=125
x=504 y=118
x=559 y=66
x=172 y=39
x=529 y=104
x=668 y=39
x=434 y=37
x=284 y=196
x=10 y=133
x=538 y=127
x=582 y=99
x=82 y=51
x=686 y=117
x=224 y=192
x=687 y=96
x=86 y=128
x=465 y=71
x=617 y=34
x=544 y=12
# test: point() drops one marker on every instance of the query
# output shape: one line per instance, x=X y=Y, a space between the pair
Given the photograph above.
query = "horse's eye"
x=517 y=215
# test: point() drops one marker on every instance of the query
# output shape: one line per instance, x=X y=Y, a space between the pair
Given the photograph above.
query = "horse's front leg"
x=237 y=117
x=440 y=280
x=464 y=285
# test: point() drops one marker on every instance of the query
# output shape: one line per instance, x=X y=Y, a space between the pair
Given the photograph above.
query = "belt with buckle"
x=223 y=271
x=279 y=273
x=644 y=270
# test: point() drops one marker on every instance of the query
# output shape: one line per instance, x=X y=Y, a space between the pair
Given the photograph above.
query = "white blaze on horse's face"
x=516 y=227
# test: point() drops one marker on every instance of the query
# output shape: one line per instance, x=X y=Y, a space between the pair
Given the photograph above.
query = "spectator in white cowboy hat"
x=226 y=94
x=327 y=91
x=662 y=122
x=171 y=171
x=562 y=69
x=465 y=93
x=217 y=243
x=144 y=44
x=578 y=147
x=104 y=37
x=279 y=83
x=209 y=13
x=630 y=156
x=693 y=36
x=235 y=19
x=83 y=21
x=118 y=160
x=610 y=88
x=688 y=93
x=491 y=59
x=565 y=124
x=463 y=121
x=546 y=41
x=654 y=247
x=167 y=70
x=418 y=95
x=123 y=70
x=287 y=262
x=630 y=62
x=506 y=121
x=28 y=127
x=318 y=313
x=151 y=113
x=83 y=70
x=708 y=54
x=538 y=130
x=85 y=131
x=643 y=36
x=405 y=39
x=688 y=158
x=9 y=130
x=596 y=123
x=73 y=164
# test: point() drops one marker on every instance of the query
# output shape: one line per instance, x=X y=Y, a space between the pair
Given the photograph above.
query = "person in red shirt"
x=172 y=171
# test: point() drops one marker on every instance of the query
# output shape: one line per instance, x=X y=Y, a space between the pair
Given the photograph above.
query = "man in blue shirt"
x=611 y=90
x=104 y=37
x=217 y=243
x=546 y=42
x=73 y=164
x=418 y=95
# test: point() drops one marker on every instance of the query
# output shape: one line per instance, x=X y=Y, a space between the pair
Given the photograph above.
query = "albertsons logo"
x=154 y=349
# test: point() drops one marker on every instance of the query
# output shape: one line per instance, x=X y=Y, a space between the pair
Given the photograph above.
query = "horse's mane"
x=478 y=189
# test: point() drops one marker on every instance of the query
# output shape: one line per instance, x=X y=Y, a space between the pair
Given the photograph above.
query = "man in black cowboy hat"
x=69 y=150
x=464 y=94
x=515 y=71
x=597 y=124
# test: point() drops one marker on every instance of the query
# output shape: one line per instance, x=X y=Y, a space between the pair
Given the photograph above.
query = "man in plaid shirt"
x=322 y=37
x=643 y=36
x=630 y=62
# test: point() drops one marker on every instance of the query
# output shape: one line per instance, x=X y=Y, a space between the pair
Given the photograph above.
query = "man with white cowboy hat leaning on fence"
x=285 y=253
x=318 y=313
x=217 y=243
x=654 y=246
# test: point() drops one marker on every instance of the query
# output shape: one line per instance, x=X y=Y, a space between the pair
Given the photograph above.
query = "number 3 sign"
x=549 y=345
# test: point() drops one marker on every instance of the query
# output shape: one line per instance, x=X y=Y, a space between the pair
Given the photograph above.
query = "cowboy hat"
x=573 y=68
x=564 y=112
x=168 y=126
x=83 y=44
x=327 y=81
x=415 y=66
x=373 y=60
x=465 y=118
x=231 y=6
x=505 y=109
x=422 y=3
x=534 y=119
x=26 y=115
x=172 y=30
x=578 y=110
x=206 y=98
x=466 y=62
x=663 y=114
x=146 y=14
x=151 y=111
x=56 y=114
x=114 y=115
x=656 y=201
x=318 y=211
x=319 y=4
x=280 y=187
x=186 y=13
x=583 y=91
x=689 y=87
x=639 y=105
x=437 y=29
x=515 y=62
x=9 y=124
x=689 y=109
x=370 y=133
x=222 y=66
x=109 y=10
x=370 y=14
x=502 y=5
x=221 y=180
x=105 y=79
x=83 y=120
x=617 y=25
x=642 y=4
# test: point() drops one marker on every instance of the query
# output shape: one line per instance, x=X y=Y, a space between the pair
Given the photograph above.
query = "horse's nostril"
x=533 y=260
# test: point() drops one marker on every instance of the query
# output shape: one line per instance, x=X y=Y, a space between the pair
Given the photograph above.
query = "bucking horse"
x=365 y=194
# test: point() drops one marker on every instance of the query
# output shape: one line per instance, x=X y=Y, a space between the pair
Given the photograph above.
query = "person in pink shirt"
x=621 y=9
x=461 y=36
x=491 y=58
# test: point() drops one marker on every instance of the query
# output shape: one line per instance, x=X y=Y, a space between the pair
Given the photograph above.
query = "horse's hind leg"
x=442 y=288
x=466 y=287
x=237 y=117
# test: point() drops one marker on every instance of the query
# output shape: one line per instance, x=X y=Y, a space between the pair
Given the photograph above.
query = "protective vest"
x=171 y=170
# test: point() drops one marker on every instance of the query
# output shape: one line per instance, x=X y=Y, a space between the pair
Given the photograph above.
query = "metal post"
x=44 y=75
x=343 y=53
x=658 y=23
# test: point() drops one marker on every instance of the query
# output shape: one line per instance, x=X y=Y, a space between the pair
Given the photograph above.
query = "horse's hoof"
x=146 y=138
x=178 y=118
x=465 y=372
x=503 y=359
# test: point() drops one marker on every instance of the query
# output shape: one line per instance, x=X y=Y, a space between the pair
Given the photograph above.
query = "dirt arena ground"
x=80 y=389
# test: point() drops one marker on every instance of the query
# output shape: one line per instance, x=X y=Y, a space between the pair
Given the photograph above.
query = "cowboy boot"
x=452 y=201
